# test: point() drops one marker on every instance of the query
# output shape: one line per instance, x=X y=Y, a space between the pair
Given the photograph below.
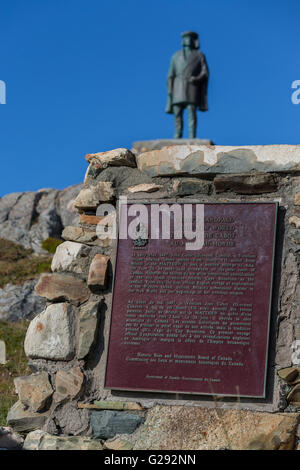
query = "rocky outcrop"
x=20 y=302
x=30 y=218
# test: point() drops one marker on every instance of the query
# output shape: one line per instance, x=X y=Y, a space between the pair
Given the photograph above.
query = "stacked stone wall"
x=66 y=343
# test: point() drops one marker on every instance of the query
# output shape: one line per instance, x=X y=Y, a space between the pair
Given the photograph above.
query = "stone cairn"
x=62 y=404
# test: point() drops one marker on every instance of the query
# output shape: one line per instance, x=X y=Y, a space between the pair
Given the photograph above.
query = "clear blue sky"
x=87 y=76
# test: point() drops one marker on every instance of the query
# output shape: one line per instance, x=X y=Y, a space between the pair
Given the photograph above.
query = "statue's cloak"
x=180 y=89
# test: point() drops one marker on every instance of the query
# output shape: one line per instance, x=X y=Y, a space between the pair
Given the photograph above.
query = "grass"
x=13 y=334
x=18 y=264
x=50 y=244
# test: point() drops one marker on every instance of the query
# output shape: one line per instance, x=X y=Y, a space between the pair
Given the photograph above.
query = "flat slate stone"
x=188 y=186
x=40 y=440
x=258 y=183
x=60 y=287
x=116 y=157
x=88 y=320
x=98 y=271
x=107 y=424
x=118 y=444
x=25 y=420
x=68 y=384
x=200 y=159
x=90 y=198
x=89 y=237
x=289 y=374
x=144 y=188
x=111 y=405
x=34 y=391
x=146 y=145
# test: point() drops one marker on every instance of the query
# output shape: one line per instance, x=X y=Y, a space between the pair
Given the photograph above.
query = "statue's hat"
x=190 y=33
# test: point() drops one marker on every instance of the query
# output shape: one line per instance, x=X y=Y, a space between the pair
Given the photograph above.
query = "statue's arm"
x=171 y=76
x=204 y=70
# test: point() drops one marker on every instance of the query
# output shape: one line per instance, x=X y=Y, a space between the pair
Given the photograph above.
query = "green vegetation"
x=50 y=244
x=18 y=264
x=13 y=334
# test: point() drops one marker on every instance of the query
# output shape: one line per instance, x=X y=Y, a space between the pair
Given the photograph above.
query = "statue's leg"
x=178 y=112
x=192 y=120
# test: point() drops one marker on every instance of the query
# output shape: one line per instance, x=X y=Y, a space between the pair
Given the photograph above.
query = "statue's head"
x=190 y=39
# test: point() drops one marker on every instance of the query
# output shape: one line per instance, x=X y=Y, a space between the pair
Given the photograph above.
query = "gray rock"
x=31 y=217
x=46 y=221
x=41 y=440
x=68 y=384
x=2 y=352
x=296 y=352
x=258 y=183
x=51 y=334
x=116 y=157
x=10 y=440
x=21 y=419
x=23 y=212
x=90 y=198
x=187 y=186
x=107 y=424
x=72 y=257
x=72 y=420
x=98 y=271
x=124 y=177
x=144 y=188
x=66 y=205
x=18 y=215
x=20 y=301
x=6 y=203
x=34 y=391
x=87 y=327
x=88 y=237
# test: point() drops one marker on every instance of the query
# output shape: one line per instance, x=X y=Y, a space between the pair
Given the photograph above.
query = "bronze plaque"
x=195 y=321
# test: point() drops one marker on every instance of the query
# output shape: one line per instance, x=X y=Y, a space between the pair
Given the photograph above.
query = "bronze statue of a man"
x=187 y=84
